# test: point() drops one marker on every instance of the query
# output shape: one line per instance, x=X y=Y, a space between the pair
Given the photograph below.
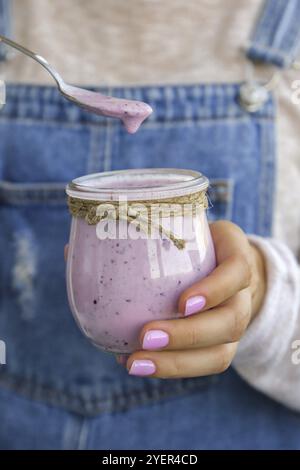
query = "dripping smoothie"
x=131 y=112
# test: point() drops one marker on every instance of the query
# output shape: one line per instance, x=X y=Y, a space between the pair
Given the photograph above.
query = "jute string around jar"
x=88 y=210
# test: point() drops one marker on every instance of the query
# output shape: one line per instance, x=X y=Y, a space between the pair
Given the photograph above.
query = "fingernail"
x=142 y=368
x=194 y=305
x=155 y=339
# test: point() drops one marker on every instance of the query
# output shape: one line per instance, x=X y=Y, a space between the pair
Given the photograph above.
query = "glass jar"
x=138 y=239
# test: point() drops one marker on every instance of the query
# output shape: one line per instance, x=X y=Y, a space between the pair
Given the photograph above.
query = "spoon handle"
x=35 y=57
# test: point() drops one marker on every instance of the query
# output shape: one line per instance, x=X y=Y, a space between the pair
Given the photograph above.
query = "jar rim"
x=180 y=182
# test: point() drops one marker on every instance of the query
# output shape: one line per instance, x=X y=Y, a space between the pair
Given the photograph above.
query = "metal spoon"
x=131 y=112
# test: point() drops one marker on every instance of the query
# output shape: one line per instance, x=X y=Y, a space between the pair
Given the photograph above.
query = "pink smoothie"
x=116 y=286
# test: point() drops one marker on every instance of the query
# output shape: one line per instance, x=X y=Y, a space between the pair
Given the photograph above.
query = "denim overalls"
x=58 y=391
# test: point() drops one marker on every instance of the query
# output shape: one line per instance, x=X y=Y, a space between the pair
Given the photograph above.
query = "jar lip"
x=181 y=182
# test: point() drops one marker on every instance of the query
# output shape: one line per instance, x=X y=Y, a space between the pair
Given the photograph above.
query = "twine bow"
x=137 y=212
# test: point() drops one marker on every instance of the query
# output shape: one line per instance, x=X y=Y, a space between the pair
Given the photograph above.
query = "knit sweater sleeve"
x=268 y=356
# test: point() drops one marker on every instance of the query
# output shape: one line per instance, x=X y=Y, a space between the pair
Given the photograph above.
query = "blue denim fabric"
x=57 y=390
x=228 y=415
x=276 y=36
x=46 y=141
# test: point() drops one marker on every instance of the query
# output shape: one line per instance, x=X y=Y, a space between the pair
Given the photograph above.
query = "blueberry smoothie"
x=117 y=285
x=131 y=112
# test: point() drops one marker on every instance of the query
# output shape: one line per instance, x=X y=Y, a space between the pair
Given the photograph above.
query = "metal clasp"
x=253 y=93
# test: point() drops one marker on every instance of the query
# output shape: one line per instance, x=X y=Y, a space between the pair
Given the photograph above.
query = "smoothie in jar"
x=125 y=266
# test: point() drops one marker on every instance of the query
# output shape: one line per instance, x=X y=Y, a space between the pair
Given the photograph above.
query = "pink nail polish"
x=142 y=367
x=155 y=339
x=194 y=305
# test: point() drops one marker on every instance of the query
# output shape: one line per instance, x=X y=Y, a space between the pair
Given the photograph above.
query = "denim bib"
x=45 y=142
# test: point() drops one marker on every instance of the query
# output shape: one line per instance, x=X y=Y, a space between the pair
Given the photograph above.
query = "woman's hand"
x=215 y=314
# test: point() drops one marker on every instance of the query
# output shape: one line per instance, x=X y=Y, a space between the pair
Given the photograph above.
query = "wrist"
x=258 y=284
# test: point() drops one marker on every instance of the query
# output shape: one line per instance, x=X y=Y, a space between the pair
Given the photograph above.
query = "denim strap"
x=276 y=36
x=5 y=25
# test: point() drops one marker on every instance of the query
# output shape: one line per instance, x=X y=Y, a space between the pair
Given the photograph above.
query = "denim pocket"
x=45 y=151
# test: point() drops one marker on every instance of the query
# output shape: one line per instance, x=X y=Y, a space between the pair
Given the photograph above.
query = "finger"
x=66 y=249
x=226 y=280
x=224 y=324
x=122 y=359
x=231 y=275
x=178 y=364
x=228 y=239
